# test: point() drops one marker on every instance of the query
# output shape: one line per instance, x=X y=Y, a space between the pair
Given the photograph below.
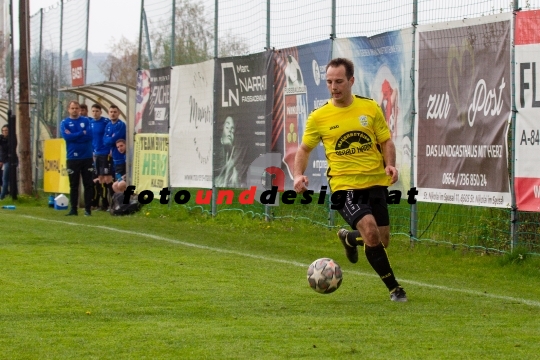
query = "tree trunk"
x=25 y=158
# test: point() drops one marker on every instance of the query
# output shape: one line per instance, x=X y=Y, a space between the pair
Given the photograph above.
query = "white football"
x=324 y=275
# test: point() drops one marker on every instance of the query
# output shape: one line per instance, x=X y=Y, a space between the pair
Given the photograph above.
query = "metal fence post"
x=59 y=117
x=514 y=216
x=39 y=105
x=86 y=40
x=139 y=60
x=173 y=31
x=266 y=207
x=413 y=224
x=216 y=47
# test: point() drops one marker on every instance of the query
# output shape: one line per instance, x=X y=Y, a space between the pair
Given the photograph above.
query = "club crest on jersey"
x=363 y=120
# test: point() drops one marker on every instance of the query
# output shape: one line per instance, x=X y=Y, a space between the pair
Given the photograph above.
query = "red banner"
x=77 y=72
x=527 y=93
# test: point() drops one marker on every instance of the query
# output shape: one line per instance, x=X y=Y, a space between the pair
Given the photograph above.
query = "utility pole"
x=25 y=153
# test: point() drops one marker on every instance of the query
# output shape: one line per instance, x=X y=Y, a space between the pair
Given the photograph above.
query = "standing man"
x=4 y=160
x=77 y=133
x=102 y=152
x=84 y=110
x=361 y=165
x=102 y=157
x=114 y=131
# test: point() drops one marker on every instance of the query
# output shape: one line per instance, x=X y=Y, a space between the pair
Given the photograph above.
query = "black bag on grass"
x=119 y=208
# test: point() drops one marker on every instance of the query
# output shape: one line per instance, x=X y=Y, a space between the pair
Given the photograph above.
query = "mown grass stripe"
x=289 y=262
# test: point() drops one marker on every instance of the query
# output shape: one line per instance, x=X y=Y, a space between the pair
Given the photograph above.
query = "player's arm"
x=86 y=134
x=108 y=135
x=389 y=154
x=300 y=164
x=67 y=134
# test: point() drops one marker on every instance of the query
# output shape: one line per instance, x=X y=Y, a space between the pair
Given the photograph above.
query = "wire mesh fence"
x=177 y=32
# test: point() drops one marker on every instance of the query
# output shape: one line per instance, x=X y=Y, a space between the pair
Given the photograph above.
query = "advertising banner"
x=55 y=177
x=299 y=88
x=527 y=93
x=150 y=162
x=243 y=90
x=192 y=114
x=464 y=107
x=142 y=94
x=77 y=72
x=153 y=95
x=383 y=72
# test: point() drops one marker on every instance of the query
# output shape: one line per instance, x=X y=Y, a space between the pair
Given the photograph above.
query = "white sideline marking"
x=295 y=263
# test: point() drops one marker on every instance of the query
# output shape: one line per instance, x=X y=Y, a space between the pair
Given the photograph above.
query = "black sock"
x=354 y=238
x=110 y=192
x=378 y=259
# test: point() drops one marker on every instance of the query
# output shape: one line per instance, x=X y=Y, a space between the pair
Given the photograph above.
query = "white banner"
x=527 y=93
x=192 y=114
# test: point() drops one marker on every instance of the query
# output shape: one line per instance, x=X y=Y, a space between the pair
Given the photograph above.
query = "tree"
x=232 y=45
x=25 y=149
x=45 y=89
x=121 y=63
x=194 y=38
x=4 y=45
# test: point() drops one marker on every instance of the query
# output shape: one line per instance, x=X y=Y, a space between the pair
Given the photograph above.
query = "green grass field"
x=169 y=284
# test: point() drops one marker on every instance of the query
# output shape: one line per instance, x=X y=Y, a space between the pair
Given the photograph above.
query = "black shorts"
x=369 y=201
x=120 y=170
x=104 y=165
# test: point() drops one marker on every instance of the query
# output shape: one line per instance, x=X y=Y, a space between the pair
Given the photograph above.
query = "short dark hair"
x=97 y=106
x=113 y=107
x=120 y=141
x=73 y=102
x=84 y=106
x=348 y=64
x=5 y=126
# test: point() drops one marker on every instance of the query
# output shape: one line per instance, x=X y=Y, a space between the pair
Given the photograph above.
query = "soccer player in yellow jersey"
x=361 y=165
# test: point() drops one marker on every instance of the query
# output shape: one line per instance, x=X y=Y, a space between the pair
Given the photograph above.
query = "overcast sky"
x=109 y=20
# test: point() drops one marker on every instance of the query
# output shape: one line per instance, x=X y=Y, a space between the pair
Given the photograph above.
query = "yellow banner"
x=150 y=162
x=55 y=177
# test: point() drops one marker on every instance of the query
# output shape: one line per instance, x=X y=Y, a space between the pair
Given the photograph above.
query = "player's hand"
x=392 y=171
x=67 y=131
x=301 y=183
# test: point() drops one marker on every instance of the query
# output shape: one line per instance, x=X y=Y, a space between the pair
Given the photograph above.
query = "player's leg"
x=350 y=212
x=350 y=238
x=104 y=198
x=385 y=235
x=87 y=173
x=109 y=179
x=74 y=175
x=5 y=181
x=370 y=226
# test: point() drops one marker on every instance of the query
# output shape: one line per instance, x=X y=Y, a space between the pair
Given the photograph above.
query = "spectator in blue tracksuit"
x=102 y=159
x=120 y=184
x=77 y=133
x=102 y=152
x=114 y=131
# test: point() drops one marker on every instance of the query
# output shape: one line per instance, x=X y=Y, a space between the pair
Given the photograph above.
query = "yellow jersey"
x=350 y=137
